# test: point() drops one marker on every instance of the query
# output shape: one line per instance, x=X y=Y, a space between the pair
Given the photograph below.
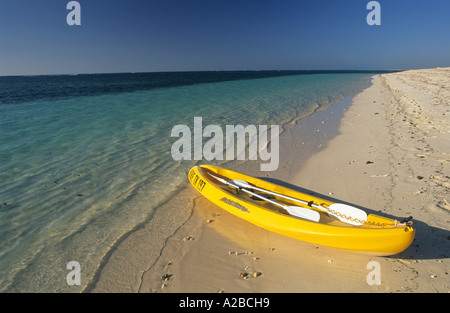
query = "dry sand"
x=391 y=156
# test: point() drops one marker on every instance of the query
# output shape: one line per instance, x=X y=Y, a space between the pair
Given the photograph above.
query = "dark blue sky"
x=183 y=35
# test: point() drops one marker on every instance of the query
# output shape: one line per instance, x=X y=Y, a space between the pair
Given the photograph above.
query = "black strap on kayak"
x=310 y=203
x=406 y=220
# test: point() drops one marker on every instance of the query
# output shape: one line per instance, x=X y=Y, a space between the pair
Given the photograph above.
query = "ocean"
x=85 y=159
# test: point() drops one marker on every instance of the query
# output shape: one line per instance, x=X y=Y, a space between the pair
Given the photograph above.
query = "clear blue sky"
x=183 y=35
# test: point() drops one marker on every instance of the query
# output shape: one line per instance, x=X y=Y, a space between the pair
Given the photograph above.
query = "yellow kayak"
x=301 y=216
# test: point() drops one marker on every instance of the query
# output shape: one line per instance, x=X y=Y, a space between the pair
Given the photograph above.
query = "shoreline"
x=175 y=213
x=173 y=216
x=369 y=162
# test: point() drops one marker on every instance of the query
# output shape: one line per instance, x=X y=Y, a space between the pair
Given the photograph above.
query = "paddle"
x=293 y=210
x=343 y=212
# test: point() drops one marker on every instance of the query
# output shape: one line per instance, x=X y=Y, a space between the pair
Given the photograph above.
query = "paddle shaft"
x=249 y=192
x=296 y=211
x=314 y=218
x=285 y=197
x=351 y=215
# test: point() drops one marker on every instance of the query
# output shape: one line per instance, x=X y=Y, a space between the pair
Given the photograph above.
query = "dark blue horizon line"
x=221 y=71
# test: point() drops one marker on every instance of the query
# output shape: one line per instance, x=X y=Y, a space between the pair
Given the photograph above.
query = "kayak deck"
x=379 y=236
x=324 y=217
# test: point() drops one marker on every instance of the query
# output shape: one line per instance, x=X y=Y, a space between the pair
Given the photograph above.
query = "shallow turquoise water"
x=96 y=164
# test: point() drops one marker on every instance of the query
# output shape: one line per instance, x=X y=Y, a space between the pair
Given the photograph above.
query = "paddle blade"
x=354 y=215
x=306 y=214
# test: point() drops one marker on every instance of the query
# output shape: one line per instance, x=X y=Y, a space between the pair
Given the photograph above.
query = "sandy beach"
x=387 y=151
